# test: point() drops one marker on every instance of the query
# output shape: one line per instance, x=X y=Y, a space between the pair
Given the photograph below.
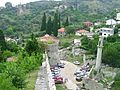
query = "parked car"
x=54 y=67
x=60 y=65
x=77 y=71
x=76 y=62
x=58 y=80
x=78 y=77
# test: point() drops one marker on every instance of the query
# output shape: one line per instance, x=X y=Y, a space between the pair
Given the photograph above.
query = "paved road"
x=68 y=72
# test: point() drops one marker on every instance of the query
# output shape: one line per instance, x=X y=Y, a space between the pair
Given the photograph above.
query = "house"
x=61 y=32
x=97 y=23
x=118 y=16
x=10 y=39
x=105 y=32
x=111 y=22
x=88 y=23
x=84 y=32
x=81 y=32
x=90 y=34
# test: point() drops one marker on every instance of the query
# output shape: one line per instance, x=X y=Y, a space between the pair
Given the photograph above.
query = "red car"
x=58 y=80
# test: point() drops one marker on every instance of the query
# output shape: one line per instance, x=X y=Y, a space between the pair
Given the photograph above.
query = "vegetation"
x=2 y=41
x=90 y=44
x=67 y=40
x=41 y=18
x=56 y=23
x=35 y=16
x=49 y=26
x=116 y=84
x=31 y=79
x=59 y=87
x=43 y=26
x=13 y=73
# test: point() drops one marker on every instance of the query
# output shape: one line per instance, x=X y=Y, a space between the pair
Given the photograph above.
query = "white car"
x=76 y=62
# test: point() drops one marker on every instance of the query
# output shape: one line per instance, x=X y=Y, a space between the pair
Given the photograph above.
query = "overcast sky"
x=16 y=2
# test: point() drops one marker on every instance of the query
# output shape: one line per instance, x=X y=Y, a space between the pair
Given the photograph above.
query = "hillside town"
x=50 y=45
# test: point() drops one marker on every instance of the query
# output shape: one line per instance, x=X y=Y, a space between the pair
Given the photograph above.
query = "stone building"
x=52 y=49
x=22 y=10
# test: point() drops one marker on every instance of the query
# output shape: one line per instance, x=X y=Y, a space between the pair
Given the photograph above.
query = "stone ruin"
x=53 y=55
x=52 y=48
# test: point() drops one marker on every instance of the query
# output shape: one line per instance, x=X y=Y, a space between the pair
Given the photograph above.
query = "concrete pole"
x=99 y=54
x=73 y=51
x=84 y=59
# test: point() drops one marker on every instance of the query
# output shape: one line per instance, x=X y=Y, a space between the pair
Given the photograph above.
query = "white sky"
x=15 y=2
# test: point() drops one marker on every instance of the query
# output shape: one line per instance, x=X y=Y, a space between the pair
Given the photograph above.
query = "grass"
x=68 y=40
x=31 y=79
x=60 y=87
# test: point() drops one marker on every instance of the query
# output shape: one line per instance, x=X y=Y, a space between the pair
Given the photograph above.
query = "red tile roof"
x=88 y=23
x=61 y=30
x=82 y=31
x=47 y=38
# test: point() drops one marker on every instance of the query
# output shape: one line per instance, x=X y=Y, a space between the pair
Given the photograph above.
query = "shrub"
x=6 y=84
x=7 y=54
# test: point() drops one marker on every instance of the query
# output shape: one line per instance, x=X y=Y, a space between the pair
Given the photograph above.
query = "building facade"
x=105 y=32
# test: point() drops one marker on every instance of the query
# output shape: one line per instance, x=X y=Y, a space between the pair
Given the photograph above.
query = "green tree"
x=117 y=28
x=12 y=46
x=2 y=41
x=8 y=5
x=55 y=24
x=1 y=56
x=90 y=45
x=32 y=45
x=66 y=22
x=116 y=84
x=59 y=21
x=16 y=74
x=10 y=31
x=6 y=84
x=111 y=54
x=43 y=26
x=49 y=26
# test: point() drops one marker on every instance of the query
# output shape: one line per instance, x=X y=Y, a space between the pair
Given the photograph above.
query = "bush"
x=17 y=71
x=111 y=54
x=7 y=54
x=6 y=84
x=116 y=84
x=65 y=44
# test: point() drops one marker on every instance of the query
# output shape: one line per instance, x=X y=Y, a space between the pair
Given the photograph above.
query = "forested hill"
x=94 y=6
x=27 y=18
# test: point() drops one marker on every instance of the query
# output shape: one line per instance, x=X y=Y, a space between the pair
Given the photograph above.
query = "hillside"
x=94 y=6
x=27 y=18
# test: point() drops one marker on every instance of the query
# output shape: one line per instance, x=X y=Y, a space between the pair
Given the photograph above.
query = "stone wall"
x=42 y=79
x=53 y=55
